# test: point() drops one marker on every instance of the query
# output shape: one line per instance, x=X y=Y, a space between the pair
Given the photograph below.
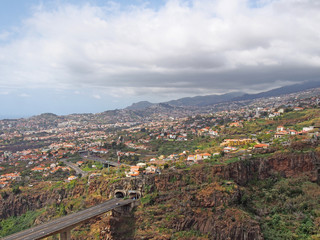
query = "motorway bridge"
x=64 y=225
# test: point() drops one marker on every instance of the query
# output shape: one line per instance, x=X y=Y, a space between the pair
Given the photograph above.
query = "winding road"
x=74 y=167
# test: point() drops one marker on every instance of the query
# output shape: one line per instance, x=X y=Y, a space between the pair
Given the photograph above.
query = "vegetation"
x=288 y=208
x=15 y=224
x=91 y=166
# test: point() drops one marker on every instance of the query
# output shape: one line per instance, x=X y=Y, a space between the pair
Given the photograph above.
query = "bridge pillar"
x=66 y=234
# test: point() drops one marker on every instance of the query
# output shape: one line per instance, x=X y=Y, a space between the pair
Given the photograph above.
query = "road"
x=69 y=221
x=74 y=167
x=103 y=161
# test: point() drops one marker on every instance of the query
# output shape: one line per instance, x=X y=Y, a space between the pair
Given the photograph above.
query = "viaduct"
x=124 y=201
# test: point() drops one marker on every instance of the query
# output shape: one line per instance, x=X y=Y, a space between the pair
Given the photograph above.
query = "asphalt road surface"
x=69 y=221
x=75 y=167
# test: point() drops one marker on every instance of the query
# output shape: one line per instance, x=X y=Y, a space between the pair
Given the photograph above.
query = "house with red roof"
x=134 y=171
x=280 y=128
x=37 y=169
x=280 y=134
x=261 y=146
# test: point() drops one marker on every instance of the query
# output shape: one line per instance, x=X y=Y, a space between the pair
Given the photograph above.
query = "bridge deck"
x=69 y=221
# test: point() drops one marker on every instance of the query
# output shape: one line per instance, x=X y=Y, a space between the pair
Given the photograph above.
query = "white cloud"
x=199 y=45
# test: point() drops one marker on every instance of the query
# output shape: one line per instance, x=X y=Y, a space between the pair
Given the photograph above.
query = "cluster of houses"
x=282 y=131
x=142 y=168
x=231 y=145
x=207 y=131
x=237 y=142
x=236 y=124
x=52 y=169
x=35 y=156
x=5 y=179
x=127 y=154
x=198 y=158
x=72 y=136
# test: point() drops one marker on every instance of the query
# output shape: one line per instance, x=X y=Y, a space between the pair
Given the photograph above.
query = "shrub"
x=16 y=190
x=4 y=195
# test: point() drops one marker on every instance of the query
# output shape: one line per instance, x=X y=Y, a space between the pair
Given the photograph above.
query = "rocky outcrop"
x=285 y=165
x=17 y=204
x=221 y=228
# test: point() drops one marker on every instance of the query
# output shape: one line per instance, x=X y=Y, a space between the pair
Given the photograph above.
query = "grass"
x=88 y=167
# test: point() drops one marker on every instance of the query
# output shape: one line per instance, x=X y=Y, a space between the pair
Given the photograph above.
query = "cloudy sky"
x=68 y=56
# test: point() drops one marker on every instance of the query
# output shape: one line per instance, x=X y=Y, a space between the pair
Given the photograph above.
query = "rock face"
x=223 y=229
x=15 y=205
x=286 y=165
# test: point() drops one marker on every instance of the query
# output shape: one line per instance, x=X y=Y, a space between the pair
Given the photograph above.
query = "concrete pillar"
x=65 y=235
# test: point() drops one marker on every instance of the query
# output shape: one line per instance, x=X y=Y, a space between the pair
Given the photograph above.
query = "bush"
x=149 y=199
x=278 y=202
x=4 y=195
x=16 y=190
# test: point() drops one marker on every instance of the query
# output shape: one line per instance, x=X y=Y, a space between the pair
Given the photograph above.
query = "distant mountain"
x=279 y=91
x=176 y=108
x=45 y=116
x=201 y=101
x=163 y=106
x=140 y=105
x=48 y=115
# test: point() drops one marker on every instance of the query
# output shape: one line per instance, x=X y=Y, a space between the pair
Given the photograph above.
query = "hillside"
x=279 y=91
x=140 y=105
x=202 y=202
x=203 y=101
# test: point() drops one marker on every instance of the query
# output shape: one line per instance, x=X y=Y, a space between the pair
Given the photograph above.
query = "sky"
x=77 y=56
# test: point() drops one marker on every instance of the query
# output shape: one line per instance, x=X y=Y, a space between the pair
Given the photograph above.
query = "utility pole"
x=119 y=163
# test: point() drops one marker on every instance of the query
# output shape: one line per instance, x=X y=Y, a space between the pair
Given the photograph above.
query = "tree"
x=16 y=190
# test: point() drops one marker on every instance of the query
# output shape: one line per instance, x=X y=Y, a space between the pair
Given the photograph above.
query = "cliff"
x=203 y=202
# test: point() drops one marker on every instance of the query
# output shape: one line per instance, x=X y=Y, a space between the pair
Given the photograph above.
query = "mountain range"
x=201 y=101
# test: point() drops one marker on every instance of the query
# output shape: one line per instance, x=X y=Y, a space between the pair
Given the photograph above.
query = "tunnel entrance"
x=134 y=195
x=119 y=195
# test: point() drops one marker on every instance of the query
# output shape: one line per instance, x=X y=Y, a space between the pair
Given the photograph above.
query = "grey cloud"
x=199 y=47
